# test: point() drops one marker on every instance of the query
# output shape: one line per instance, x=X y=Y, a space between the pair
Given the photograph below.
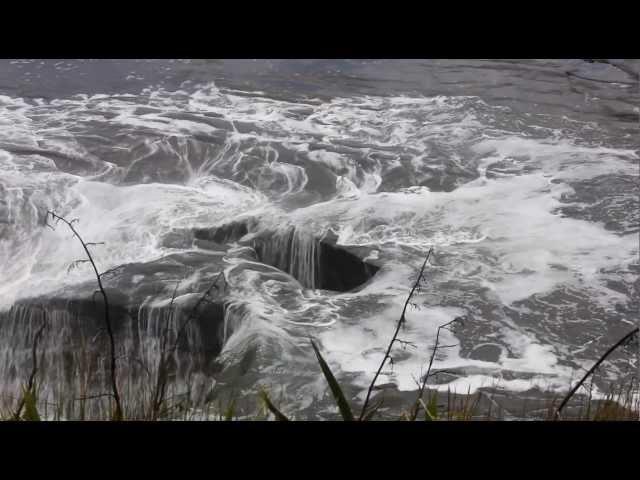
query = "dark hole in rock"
x=229 y=232
x=314 y=262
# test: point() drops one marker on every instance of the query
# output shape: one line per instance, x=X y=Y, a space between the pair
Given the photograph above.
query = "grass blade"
x=372 y=411
x=30 y=409
x=430 y=410
x=343 y=405
x=228 y=416
x=281 y=417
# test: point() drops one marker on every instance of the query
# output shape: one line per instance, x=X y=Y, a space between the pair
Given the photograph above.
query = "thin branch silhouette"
x=34 y=369
x=401 y=321
x=159 y=394
x=436 y=347
x=107 y=318
x=611 y=349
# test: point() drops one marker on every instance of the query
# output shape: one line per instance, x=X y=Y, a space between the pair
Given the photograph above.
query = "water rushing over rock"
x=73 y=359
x=315 y=188
x=146 y=317
x=314 y=262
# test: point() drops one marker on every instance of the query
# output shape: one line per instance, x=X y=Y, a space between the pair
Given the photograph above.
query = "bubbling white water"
x=496 y=226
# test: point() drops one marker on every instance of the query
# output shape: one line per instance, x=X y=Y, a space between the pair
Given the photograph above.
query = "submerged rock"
x=314 y=262
x=229 y=232
x=74 y=349
x=155 y=302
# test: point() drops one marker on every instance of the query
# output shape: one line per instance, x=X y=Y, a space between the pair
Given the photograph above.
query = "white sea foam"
x=501 y=232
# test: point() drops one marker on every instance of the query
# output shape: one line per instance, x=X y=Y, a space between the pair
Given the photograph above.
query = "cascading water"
x=73 y=353
x=315 y=261
x=293 y=251
x=319 y=202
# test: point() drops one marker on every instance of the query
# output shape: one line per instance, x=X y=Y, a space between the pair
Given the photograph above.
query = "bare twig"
x=159 y=392
x=401 y=321
x=436 y=347
x=34 y=369
x=34 y=355
x=406 y=343
x=194 y=310
x=75 y=264
x=107 y=319
x=110 y=271
x=91 y=397
x=622 y=341
x=162 y=377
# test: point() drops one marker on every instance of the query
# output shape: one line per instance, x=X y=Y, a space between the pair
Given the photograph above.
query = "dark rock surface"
x=314 y=262
x=74 y=348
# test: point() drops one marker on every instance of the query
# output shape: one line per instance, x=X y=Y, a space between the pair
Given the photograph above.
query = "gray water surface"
x=521 y=174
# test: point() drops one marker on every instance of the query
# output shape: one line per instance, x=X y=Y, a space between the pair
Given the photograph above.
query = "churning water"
x=522 y=176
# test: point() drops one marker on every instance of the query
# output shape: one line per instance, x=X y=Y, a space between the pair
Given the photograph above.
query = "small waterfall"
x=191 y=344
x=293 y=251
x=305 y=259
x=73 y=352
x=316 y=262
